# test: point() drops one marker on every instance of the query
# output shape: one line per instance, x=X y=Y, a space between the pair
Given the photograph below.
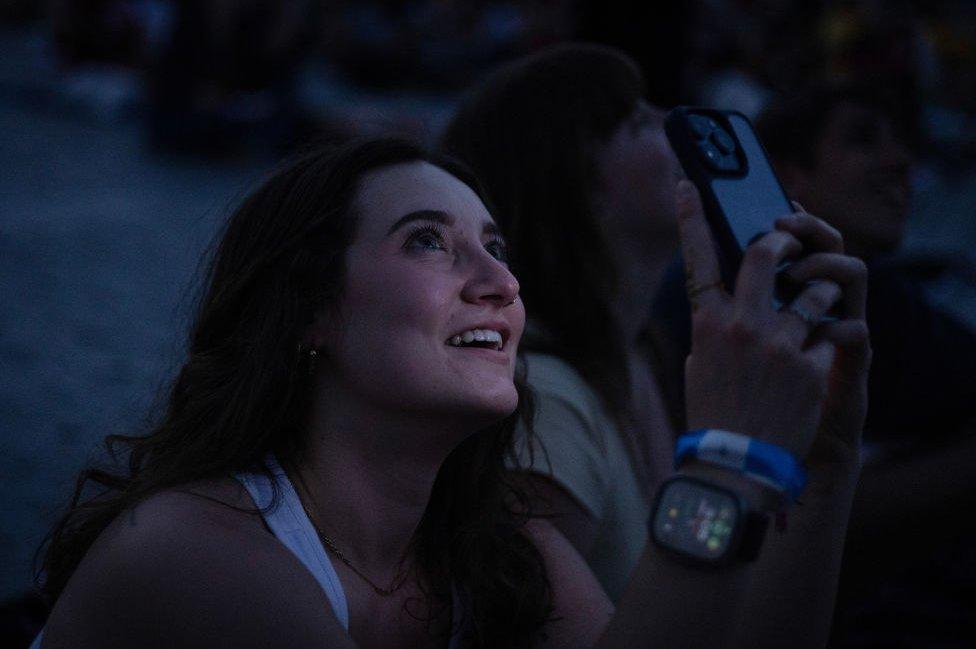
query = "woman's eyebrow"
x=422 y=215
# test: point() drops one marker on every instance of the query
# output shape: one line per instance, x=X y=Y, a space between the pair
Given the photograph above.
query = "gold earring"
x=313 y=357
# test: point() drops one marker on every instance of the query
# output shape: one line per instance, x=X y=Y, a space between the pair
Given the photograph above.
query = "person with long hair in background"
x=332 y=469
x=583 y=183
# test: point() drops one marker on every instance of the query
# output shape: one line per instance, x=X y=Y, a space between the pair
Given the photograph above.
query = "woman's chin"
x=488 y=409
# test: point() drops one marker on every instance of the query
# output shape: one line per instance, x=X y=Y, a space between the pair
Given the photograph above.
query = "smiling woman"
x=325 y=344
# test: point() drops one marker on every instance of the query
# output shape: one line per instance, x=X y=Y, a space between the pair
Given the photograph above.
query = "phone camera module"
x=728 y=163
x=715 y=144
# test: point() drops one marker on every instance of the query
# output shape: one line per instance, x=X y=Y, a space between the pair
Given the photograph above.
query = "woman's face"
x=638 y=173
x=429 y=320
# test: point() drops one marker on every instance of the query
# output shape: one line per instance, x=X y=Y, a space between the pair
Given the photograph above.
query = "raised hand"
x=776 y=374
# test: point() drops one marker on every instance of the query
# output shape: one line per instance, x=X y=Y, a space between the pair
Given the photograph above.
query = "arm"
x=796 y=577
x=669 y=604
x=552 y=502
x=666 y=605
x=181 y=571
x=753 y=368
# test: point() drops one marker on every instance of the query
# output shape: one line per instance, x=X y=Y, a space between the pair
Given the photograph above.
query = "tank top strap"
x=291 y=525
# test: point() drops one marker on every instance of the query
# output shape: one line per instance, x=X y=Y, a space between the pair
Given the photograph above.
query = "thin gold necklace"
x=397 y=582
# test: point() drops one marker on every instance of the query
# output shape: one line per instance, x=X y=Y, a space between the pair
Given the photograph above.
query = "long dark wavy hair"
x=530 y=131
x=244 y=391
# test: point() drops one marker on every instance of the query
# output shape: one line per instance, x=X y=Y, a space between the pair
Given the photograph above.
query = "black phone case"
x=740 y=192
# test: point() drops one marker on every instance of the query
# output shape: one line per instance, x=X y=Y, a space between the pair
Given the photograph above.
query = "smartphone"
x=741 y=195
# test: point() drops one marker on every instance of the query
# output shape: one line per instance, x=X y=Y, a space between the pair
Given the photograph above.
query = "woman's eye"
x=426 y=238
x=498 y=250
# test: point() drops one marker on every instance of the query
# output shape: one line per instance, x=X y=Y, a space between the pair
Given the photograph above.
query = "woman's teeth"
x=488 y=337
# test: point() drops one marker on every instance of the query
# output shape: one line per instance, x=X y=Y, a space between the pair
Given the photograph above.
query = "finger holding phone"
x=763 y=352
x=845 y=402
x=753 y=368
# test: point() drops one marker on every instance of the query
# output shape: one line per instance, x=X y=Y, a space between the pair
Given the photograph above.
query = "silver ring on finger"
x=810 y=320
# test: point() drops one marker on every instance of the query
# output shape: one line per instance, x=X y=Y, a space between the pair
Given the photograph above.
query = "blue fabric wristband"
x=762 y=461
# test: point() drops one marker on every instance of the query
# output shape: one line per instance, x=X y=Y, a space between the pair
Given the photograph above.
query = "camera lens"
x=712 y=154
x=723 y=141
x=728 y=163
x=702 y=126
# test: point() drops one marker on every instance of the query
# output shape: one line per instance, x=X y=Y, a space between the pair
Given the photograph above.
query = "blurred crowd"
x=214 y=70
x=225 y=79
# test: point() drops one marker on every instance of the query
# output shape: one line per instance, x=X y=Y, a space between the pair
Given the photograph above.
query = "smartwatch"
x=703 y=524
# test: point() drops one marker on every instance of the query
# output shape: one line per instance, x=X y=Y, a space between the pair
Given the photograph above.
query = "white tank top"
x=289 y=522
x=291 y=525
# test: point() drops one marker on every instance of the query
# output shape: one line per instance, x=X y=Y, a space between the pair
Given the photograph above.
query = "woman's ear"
x=324 y=331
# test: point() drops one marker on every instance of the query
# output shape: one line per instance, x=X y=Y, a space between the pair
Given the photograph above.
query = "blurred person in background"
x=844 y=152
x=583 y=181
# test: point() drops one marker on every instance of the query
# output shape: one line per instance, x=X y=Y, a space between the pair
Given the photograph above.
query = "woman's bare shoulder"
x=197 y=518
x=192 y=566
x=217 y=506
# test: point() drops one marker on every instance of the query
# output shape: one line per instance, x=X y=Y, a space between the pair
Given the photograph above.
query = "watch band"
x=761 y=461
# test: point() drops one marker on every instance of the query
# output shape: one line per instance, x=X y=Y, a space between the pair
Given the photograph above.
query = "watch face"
x=696 y=520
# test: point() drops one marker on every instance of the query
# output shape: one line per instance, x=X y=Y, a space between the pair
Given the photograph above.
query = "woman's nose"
x=490 y=281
